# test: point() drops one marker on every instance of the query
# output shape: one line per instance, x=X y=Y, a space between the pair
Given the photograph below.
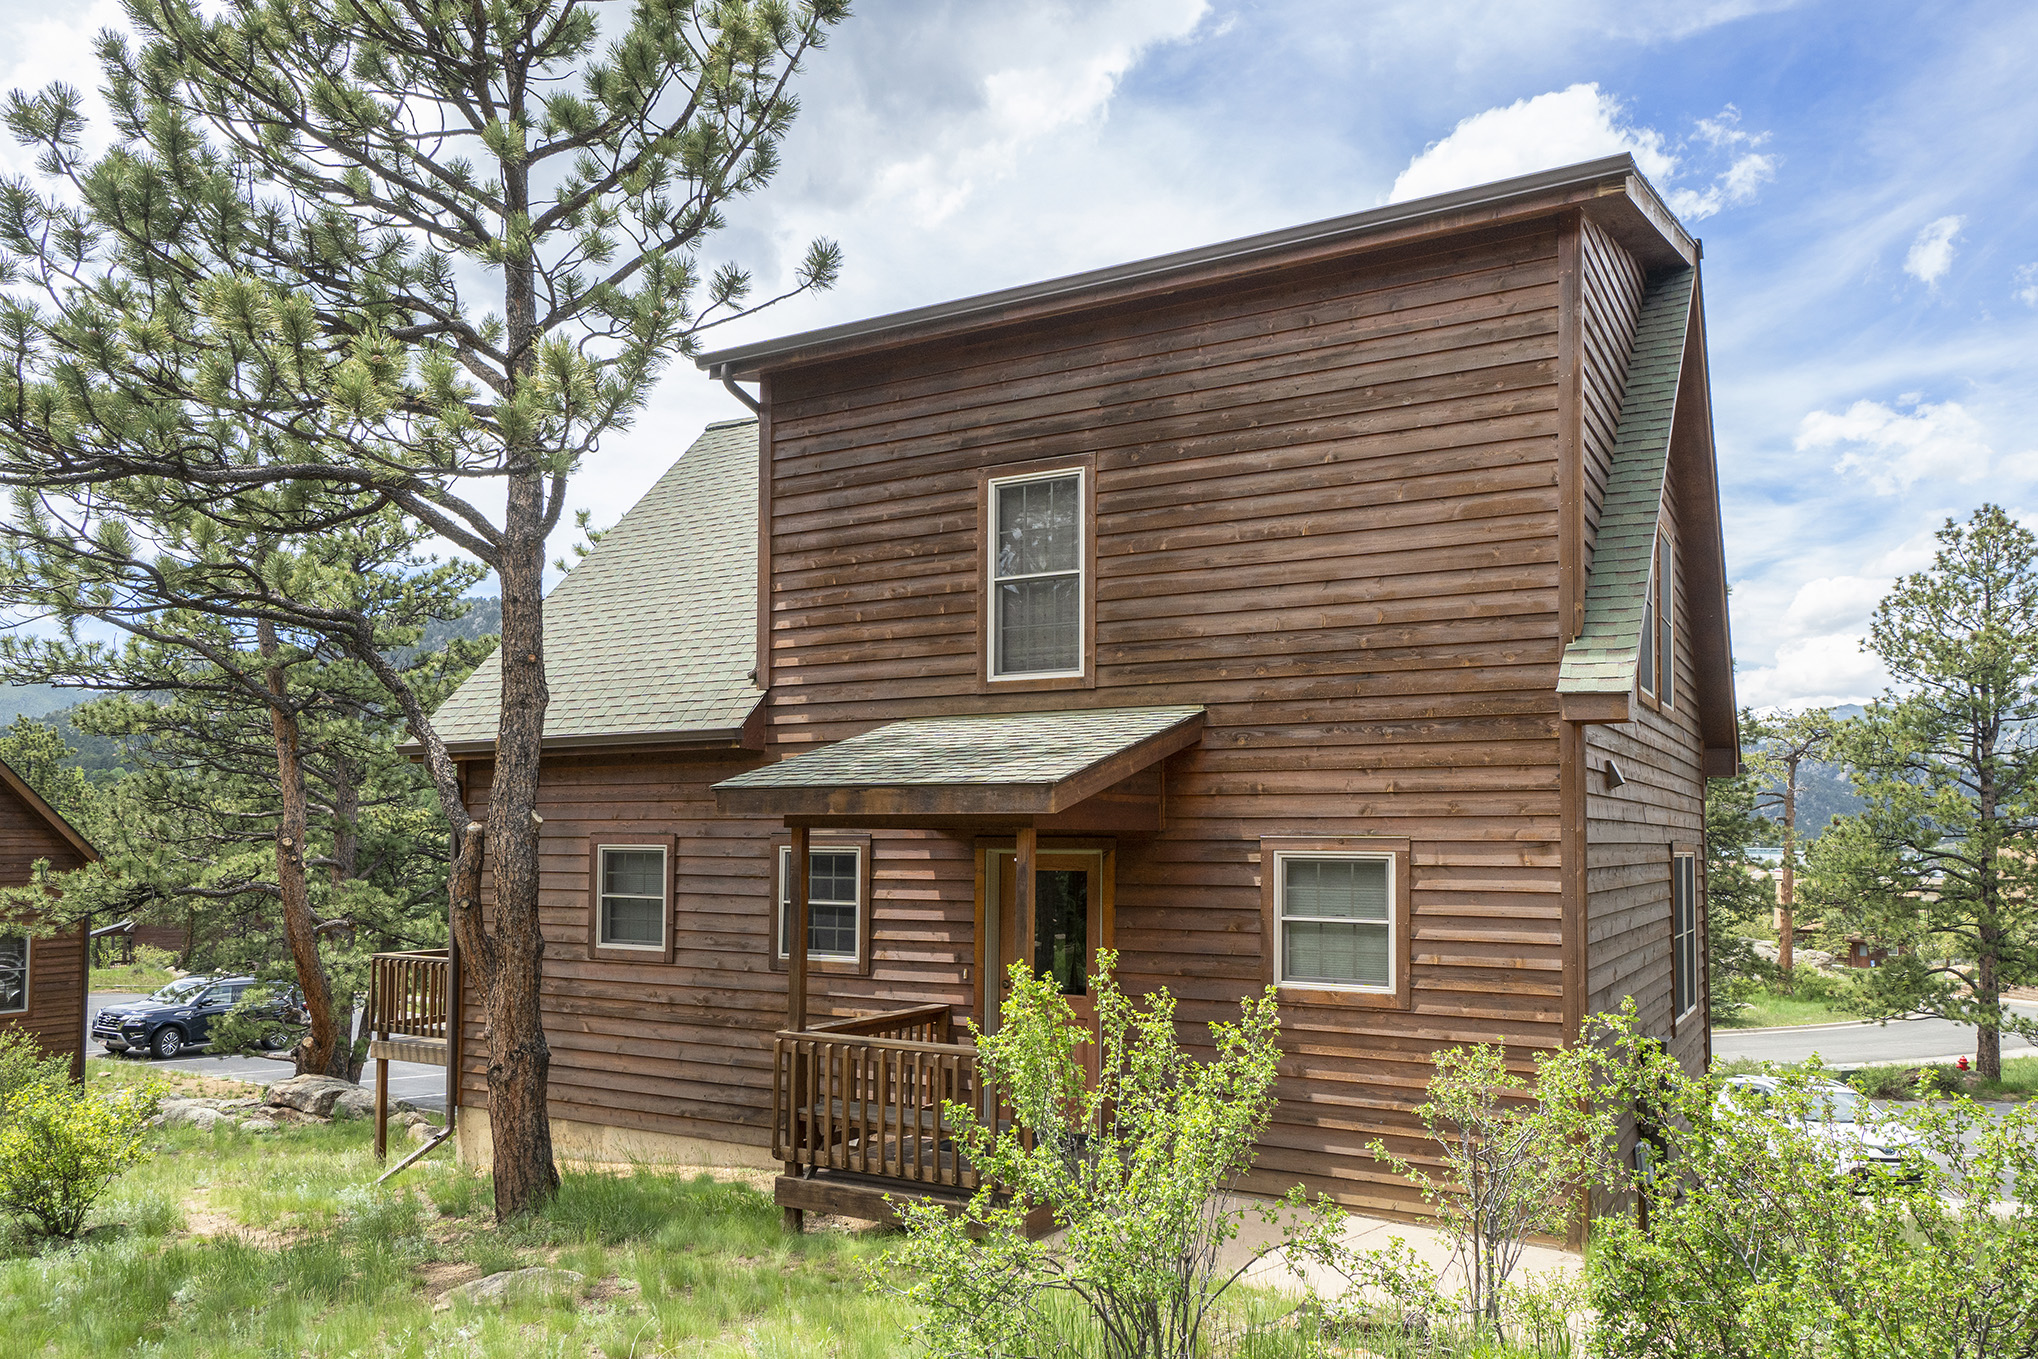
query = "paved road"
x=1917 y=1040
x=424 y=1086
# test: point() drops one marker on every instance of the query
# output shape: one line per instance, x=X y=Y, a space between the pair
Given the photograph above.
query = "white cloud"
x=1579 y=123
x=1834 y=603
x=1814 y=671
x=1931 y=254
x=1560 y=128
x=1895 y=449
x=2024 y=285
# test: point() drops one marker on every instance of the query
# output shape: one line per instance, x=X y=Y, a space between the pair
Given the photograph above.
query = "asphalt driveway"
x=424 y=1086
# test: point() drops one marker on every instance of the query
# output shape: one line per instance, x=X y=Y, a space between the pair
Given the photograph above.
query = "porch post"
x=1022 y=895
x=796 y=947
x=796 y=1112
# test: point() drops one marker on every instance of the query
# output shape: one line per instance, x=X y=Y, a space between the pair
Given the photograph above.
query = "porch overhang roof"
x=989 y=766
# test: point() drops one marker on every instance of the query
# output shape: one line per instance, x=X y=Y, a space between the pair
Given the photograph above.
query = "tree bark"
x=519 y=1061
x=1786 y=932
x=321 y=1052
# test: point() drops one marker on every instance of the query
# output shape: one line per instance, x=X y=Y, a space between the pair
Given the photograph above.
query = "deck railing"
x=408 y=993
x=865 y=1095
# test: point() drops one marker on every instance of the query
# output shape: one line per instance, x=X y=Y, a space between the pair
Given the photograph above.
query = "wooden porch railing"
x=408 y=993
x=865 y=1095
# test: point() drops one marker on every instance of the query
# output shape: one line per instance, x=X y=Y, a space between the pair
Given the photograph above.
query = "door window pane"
x=1337 y=921
x=1061 y=928
x=13 y=972
x=633 y=898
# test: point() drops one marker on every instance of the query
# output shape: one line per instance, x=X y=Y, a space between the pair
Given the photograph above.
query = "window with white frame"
x=1683 y=933
x=632 y=897
x=1036 y=576
x=1336 y=920
x=13 y=973
x=834 y=887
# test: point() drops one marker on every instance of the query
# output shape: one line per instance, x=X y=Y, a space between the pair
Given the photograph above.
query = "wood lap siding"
x=1610 y=300
x=685 y=1047
x=1327 y=509
x=56 y=967
x=1629 y=834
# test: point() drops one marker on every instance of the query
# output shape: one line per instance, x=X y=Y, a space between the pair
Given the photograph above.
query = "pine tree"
x=409 y=253
x=245 y=730
x=1779 y=747
x=1941 y=863
x=1737 y=888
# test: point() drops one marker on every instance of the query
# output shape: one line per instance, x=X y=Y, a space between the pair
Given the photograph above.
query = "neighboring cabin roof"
x=1611 y=189
x=652 y=636
x=63 y=829
x=982 y=764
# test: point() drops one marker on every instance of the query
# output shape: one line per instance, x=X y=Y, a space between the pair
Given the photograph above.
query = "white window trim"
x=992 y=579
x=602 y=895
x=783 y=900
x=1281 y=860
x=1676 y=960
x=27 y=972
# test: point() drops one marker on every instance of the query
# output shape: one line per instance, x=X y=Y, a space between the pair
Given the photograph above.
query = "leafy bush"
x=1136 y=1165
x=1763 y=1240
x=1884 y=1082
x=60 y=1147
x=25 y=1067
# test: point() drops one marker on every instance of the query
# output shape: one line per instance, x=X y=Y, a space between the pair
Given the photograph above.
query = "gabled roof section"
x=653 y=635
x=1611 y=189
x=1603 y=657
x=1665 y=437
x=986 y=764
x=63 y=829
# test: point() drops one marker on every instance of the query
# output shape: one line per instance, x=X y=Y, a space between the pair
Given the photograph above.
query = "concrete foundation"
x=596 y=1144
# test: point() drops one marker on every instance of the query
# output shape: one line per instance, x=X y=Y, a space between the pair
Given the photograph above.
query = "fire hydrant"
x=1962 y=1064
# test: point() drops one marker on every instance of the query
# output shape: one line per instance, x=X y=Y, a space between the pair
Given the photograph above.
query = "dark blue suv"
x=180 y=1016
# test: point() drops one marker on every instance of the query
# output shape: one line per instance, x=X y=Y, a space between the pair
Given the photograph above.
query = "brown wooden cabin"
x=1342 y=607
x=43 y=971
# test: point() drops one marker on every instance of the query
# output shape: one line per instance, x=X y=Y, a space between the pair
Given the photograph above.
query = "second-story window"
x=1036 y=585
x=632 y=899
x=1658 y=670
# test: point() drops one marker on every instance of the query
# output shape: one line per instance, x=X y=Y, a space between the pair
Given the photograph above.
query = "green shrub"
x=25 y=1067
x=60 y=1147
x=1136 y=1165
x=1762 y=1240
x=1884 y=1082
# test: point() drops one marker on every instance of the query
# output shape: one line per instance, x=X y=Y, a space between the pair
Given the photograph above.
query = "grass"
x=133 y=977
x=231 y=1244
x=2020 y=1080
x=1821 y=1002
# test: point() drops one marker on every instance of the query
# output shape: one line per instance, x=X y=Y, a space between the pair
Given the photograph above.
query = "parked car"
x=1833 y=1113
x=180 y=1015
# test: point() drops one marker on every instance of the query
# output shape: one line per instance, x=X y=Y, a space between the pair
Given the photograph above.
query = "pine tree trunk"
x=519 y=1061
x=1786 y=934
x=321 y=1052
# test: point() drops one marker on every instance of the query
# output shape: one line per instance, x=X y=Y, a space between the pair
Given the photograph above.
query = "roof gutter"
x=744 y=360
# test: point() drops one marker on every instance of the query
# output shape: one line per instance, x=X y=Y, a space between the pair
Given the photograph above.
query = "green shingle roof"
x=992 y=762
x=1603 y=658
x=654 y=633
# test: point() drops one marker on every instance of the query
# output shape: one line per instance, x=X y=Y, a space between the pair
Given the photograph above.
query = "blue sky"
x=1861 y=175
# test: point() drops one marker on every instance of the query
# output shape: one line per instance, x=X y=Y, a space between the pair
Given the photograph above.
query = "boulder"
x=500 y=1288
x=422 y=1133
x=257 y=1125
x=202 y=1114
x=320 y=1095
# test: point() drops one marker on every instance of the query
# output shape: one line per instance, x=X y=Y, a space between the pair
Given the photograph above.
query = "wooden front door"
x=1071 y=921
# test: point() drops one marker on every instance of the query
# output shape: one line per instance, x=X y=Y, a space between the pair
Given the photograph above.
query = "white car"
x=1842 y=1116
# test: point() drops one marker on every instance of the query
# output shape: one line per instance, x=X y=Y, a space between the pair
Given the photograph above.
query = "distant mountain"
x=1824 y=791
x=34 y=700
x=104 y=759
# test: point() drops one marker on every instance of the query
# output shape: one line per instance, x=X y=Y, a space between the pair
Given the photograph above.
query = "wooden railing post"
x=796 y=1010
